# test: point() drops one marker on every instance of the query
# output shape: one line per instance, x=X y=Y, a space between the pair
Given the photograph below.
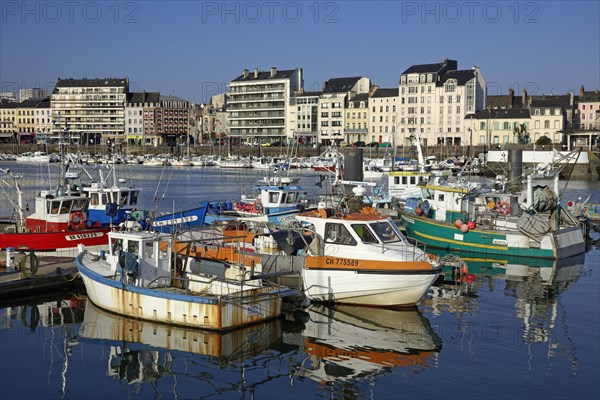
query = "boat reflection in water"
x=536 y=286
x=350 y=343
x=129 y=337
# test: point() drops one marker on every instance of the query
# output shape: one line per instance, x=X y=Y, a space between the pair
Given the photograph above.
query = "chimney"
x=511 y=96
x=245 y=74
x=581 y=91
x=524 y=99
x=273 y=71
x=255 y=73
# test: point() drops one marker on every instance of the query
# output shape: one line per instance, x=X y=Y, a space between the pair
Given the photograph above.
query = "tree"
x=543 y=140
x=521 y=132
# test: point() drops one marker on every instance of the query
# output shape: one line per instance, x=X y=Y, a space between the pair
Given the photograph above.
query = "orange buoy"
x=464 y=228
x=458 y=223
x=418 y=211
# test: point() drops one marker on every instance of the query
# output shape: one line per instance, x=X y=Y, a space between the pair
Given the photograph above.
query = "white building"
x=33 y=93
x=43 y=121
x=384 y=105
x=258 y=102
x=434 y=99
x=90 y=108
x=303 y=117
x=333 y=104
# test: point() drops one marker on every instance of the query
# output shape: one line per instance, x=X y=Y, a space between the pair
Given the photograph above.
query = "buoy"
x=464 y=268
x=464 y=228
x=418 y=211
x=458 y=223
x=471 y=225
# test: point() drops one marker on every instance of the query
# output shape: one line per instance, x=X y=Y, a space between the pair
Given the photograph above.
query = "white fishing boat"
x=353 y=256
x=139 y=277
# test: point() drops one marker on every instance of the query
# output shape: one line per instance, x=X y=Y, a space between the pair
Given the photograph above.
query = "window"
x=338 y=234
x=385 y=232
x=364 y=233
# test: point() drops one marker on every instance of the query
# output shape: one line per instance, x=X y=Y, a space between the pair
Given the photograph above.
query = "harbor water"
x=500 y=331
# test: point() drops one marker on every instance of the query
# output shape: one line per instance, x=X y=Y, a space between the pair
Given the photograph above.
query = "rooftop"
x=340 y=85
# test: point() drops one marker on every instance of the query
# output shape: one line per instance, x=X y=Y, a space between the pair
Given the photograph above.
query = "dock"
x=52 y=274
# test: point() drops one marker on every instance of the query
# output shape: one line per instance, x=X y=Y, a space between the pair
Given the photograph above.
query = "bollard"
x=10 y=259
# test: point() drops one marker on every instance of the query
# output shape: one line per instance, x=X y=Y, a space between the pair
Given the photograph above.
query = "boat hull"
x=380 y=289
x=51 y=241
x=197 y=311
x=561 y=244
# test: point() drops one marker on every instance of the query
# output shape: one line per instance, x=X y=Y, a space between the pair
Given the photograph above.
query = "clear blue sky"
x=193 y=49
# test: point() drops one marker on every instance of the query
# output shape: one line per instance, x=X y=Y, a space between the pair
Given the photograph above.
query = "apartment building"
x=497 y=126
x=258 y=103
x=90 y=109
x=588 y=109
x=384 y=105
x=434 y=100
x=43 y=121
x=303 y=117
x=33 y=93
x=357 y=119
x=172 y=120
x=8 y=116
x=333 y=104
x=140 y=112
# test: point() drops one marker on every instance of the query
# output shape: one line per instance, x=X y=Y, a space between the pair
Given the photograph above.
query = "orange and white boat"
x=355 y=257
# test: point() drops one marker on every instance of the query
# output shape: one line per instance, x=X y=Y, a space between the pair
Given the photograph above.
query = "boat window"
x=338 y=234
x=104 y=198
x=428 y=194
x=54 y=207
x=364 y=233
x=116 y=245
x=413 y=180
x=133 y=247
x=148 y=247
x=273 y=197
x=65 y=207
x=94 y=199
x=79 y=205
x=133 y=197
x=291 y=198
x=405 y=180
x=123 y=198
x=441 y=197
x=385 y=231
x=164 y=246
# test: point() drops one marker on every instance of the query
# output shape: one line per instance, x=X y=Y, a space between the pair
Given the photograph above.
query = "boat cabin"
x=352 y=230
x=402 y=184
x=142 y=255
x=57 y=213
x=107 y=202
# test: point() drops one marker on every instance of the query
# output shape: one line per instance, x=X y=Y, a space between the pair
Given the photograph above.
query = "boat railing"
x=247 y=289
x=417 y=245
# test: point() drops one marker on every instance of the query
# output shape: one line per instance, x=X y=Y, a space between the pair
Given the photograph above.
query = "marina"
x=529 y=315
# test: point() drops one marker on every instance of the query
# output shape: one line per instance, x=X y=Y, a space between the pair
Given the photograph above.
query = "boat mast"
x=19 y=206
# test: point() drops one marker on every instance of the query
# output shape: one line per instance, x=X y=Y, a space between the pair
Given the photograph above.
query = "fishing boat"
x=356 y=256
x=273 y=199
x=141 y=278
x=58 y=223
x=464 y=217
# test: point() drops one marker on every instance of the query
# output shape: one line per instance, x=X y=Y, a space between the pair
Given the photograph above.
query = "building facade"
x=384 y=106
x=303 y=117
x=43 y=121
x=90 y=109
x=588 y=109
x=140 y=111
x=497 y=126
x=8 y=116
x=333 y=104
x=258 y=104
x=434 y=100
x=173 y=120
x=357 y=119
x=33 y=93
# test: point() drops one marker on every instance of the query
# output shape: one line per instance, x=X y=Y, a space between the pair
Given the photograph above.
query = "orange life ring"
x=504 y=208
x=76 y=221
